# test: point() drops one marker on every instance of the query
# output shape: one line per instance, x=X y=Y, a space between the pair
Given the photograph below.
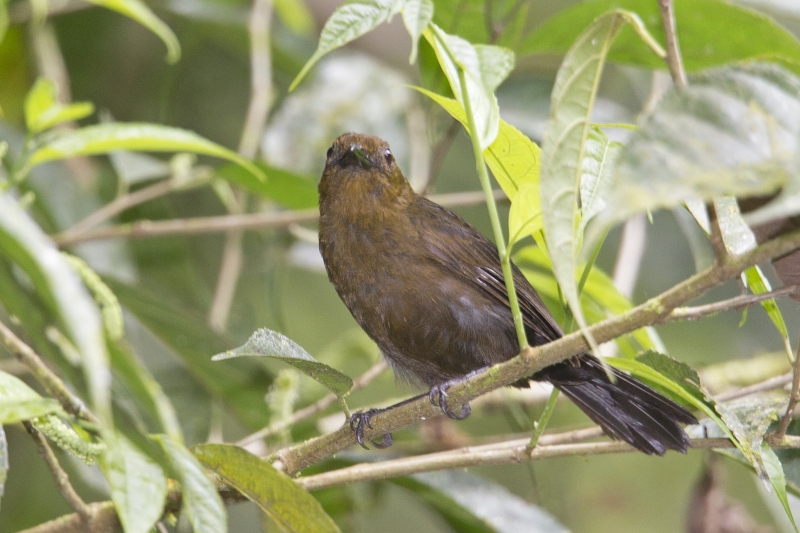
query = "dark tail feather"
x=627 y=410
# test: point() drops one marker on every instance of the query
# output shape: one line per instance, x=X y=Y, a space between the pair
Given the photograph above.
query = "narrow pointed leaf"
x=777 y=479
x=564 y=148
x=759 y=284
x=23 y=241
x=104 y=138
x=348 y=22
x=294 y=509
x=268 y=343
x=417 y=14
x=43 y=111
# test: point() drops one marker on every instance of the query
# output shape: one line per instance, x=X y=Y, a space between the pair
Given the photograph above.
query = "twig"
x=51 y=382
x=103 y=518
x=61 y=478
x=716 y=240
x=654 y=311
x=509 y=452
x=736 y=303
x=118 y=205
x=794 y=396
x=320 y=405
x=772 y=383
x=674 y=60
x=190 y=226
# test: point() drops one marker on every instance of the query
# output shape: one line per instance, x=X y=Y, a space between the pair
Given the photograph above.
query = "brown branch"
x=772 y=383
x=314 y=408
x=42 y=373
x=61 y=478
x=191 y=226
x=103 y=519
x=674 y=60
x=715 y=238
x=794 y=396
x=736 y=303
x=655 y=311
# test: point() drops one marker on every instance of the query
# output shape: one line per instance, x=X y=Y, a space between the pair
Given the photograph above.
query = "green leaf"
x=484 y=68
x=240 y=387
x=513 y=158
x=292 y=190
x=710 y=33
x=141 y=137
x=599 y=157
x=733 y=131
x=417 y=15
x=43 y=111
x=292 y=508
x=268 y=343
x=138 y=485
x=470 y=503
x=759 y=284
x=525 y=215
x=777 y=479
x=348 y=22
x=22 y=241
x=138 y=11
x=200 y=497
x=564 y=147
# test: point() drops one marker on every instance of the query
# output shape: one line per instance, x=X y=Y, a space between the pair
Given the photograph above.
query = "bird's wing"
x=464 y=251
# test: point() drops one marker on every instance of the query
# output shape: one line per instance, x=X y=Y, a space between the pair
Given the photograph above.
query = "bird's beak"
x=356 y=156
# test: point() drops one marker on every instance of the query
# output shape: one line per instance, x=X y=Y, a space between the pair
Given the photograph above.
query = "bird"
x=428 y=289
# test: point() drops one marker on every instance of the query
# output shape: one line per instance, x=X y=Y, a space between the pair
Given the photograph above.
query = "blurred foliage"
x=92 y=94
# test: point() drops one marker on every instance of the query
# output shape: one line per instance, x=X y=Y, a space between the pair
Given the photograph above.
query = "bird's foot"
x=438 y=396
x=361 y=419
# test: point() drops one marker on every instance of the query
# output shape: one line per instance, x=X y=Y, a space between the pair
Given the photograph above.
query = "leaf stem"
x=538 y=427
x=483 y=175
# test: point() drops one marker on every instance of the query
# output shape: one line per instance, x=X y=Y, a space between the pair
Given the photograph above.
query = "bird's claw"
x=361 y=419
x=438 y=396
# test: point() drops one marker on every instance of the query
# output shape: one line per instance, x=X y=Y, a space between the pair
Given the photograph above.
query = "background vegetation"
x=126 y=115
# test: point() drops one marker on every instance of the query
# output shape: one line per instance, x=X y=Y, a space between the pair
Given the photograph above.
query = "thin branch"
x=776 y=382
x=61 y=478
x=191 y=226
x=736 y=303
x=103 y=518
x=510 y=452
x=118 y=205
x=794 y=396
x=42 y=373
x=674 y=60
x=654 y=311
x=716 y=240
x=319 y=406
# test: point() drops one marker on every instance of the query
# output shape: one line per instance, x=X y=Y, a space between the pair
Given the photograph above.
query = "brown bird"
x=428 y=289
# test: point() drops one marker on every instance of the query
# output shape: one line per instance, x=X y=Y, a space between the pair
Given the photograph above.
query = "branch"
x=103 y=518
x=772 y=383
x=190 y=226
x=674 y=60
x=794 y=396
x=42 y=373
x=61 y=478
x=654 y=311
x=736 y=303
x=508 y=452
x=314 y=408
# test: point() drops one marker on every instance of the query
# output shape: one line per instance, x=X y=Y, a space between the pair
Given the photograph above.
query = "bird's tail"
x=627 y=410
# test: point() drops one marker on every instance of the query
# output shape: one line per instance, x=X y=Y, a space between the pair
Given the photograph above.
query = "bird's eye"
x=330 y=152
x=388 y=155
